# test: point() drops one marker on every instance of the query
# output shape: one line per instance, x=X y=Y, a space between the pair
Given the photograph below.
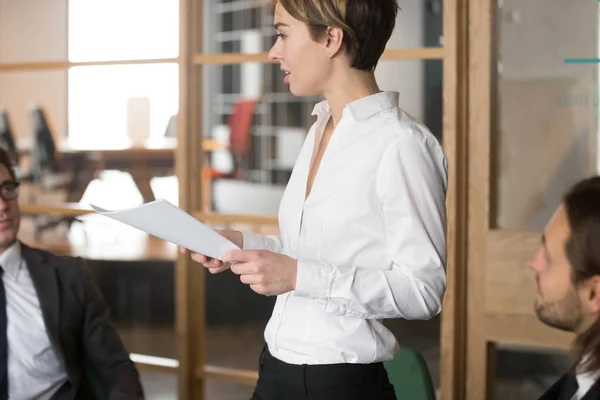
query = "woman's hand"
x=215 y=266
x=266 y=272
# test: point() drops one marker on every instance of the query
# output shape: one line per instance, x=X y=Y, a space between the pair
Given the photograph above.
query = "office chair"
x=7 y=140
x=8 y=143
x=409 y=375
x=51 y=173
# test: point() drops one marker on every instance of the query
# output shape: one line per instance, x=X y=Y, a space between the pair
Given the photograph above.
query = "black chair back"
x=7 y=138
x=44 y=148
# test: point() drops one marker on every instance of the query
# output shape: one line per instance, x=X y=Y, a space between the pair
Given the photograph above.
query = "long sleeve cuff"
x=256 y=241
x=313 y=279
x=253 y=241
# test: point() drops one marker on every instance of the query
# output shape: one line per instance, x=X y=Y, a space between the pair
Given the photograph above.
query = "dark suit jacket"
x=555 y=391
x=77 y=321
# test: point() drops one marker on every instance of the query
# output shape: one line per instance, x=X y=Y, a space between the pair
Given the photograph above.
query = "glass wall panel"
x=545 y=130
x=524 y=374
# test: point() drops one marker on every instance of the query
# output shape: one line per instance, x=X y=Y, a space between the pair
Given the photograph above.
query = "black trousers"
x=278 y=380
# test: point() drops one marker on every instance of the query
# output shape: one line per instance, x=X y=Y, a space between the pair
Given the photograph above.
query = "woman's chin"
x=294 y=90
x=300 y=91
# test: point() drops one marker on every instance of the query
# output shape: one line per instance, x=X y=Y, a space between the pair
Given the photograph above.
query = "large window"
x=105 y=100
x=107 y=103
x=110 y=30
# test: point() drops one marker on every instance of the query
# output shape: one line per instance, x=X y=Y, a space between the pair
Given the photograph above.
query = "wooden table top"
x=166 y=145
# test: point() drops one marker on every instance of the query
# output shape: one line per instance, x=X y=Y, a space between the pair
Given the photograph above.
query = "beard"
x=565 y=314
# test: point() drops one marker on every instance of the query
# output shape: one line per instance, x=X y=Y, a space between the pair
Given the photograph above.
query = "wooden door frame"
x=499 y=286
x=455 y=92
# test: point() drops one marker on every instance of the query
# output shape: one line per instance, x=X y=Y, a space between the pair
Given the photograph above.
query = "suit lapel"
x=555 y=390
x=43 y=276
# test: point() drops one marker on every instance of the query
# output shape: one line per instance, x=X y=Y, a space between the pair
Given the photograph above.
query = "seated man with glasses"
x=56 y=340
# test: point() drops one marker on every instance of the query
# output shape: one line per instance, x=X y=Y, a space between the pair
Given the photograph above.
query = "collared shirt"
x=370 y=239
x=585 y=381
x=34 y=370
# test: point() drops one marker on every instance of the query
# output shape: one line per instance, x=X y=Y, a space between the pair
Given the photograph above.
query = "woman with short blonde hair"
x=362 y=220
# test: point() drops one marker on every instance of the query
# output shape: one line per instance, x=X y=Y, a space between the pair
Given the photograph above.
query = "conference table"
x=143 y=161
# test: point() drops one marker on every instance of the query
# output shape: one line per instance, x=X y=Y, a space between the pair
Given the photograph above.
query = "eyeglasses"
x=9 y=190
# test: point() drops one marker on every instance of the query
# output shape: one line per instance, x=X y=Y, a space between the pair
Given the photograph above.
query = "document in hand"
x=166 y=221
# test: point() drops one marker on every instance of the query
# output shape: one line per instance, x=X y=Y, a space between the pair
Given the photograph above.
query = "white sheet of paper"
x=169 y=222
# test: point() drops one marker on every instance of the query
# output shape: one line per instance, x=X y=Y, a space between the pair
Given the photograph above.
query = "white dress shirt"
x=370 y=239
x=585 y=381
x=34 y=370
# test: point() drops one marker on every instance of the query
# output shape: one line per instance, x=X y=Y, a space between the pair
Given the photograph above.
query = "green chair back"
x=409 y=375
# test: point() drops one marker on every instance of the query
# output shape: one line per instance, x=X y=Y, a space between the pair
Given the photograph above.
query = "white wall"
x=34 y=30
x=406 y=77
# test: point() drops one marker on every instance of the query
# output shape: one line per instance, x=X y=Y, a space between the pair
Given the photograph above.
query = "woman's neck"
x=348 y=86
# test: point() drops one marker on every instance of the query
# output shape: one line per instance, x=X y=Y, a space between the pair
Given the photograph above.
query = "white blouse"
x=370 y=239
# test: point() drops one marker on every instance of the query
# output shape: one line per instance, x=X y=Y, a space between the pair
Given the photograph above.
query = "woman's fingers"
x=219 y=269
x=214 y=265
x=206 y=261
x=199 y=258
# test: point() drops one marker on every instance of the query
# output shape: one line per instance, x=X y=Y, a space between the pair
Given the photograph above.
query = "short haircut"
x=367 y=24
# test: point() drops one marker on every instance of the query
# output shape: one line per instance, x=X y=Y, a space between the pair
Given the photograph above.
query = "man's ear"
x=591 y=294
x=334 y=37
